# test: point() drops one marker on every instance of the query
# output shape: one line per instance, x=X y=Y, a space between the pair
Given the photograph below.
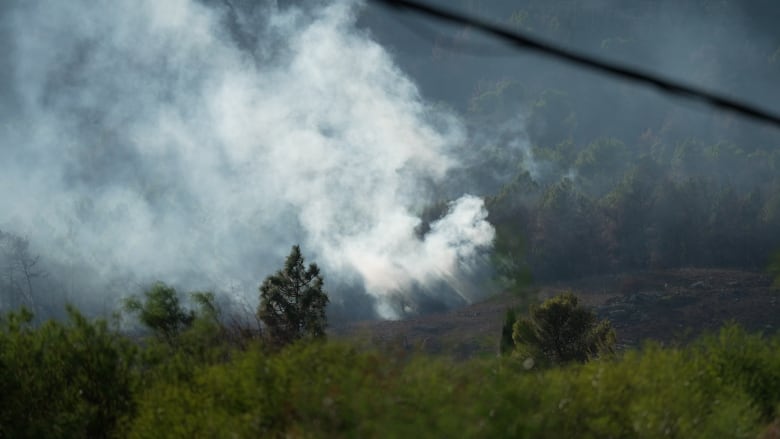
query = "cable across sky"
x=523 y=41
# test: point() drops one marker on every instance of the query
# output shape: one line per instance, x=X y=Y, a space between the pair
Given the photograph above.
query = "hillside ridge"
x=668 y=306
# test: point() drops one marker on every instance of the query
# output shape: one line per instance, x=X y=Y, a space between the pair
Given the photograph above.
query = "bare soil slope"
x=670 y=306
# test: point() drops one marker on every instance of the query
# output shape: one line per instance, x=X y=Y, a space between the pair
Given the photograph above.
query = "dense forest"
x=424 y=167
x=600 y=175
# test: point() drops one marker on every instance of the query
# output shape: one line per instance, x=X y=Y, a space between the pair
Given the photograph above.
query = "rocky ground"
x=670 y=306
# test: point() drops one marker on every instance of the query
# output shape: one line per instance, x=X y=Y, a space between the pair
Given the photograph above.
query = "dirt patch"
x=670 y=306
x=678 y=305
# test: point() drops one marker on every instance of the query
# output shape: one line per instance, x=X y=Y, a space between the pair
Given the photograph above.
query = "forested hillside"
x=588 y=174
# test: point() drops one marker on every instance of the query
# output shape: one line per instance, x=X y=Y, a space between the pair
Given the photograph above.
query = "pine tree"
x=292 y=301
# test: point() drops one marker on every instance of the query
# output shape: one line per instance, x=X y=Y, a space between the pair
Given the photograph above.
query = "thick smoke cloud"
x=194 y=143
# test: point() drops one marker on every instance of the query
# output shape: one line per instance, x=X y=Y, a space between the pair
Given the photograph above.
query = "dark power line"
x=526 y=42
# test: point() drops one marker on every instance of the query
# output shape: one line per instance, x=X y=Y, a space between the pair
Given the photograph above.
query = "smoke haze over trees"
x=600 y=175
x=193 y=142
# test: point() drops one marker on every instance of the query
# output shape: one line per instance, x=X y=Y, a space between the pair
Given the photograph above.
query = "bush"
x=72 y=379
x=748 y=361
x=332 y=390
x=560 y=331
x=161 y=312
x=81 y=379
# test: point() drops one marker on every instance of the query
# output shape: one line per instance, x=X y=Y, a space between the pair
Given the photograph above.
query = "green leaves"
x=82 y=379
x=161 y=312
x=72 y=379
x=723 y=386
x=559 y=331
x=292 y=302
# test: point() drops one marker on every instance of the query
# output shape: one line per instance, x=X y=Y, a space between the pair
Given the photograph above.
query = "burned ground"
x=668 y=306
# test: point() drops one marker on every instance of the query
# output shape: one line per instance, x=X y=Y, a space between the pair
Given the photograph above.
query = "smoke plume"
x=195 y=143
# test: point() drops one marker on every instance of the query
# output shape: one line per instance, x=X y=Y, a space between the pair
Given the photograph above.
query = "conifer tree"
x=292 y=301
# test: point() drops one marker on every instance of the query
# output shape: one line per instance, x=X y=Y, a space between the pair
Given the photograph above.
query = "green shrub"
x=748 y=361
x=72 y=379
x=333 y=390
x=560 y=331
x=161 y=312
x=81 y=379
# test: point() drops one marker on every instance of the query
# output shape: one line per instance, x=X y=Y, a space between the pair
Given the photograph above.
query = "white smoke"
x=148 y=144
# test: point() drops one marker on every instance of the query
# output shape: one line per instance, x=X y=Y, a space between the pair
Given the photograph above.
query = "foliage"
x=508 y=259
x=161 y=312
x=82 y=379
x=601 y=164
x=200 y=334
x=72 y=379
x=747 y=362
x=566 y=236
x=687 y=207
x=711 y=389
x=560 y=331
x=292 y=301
x=667 y=189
